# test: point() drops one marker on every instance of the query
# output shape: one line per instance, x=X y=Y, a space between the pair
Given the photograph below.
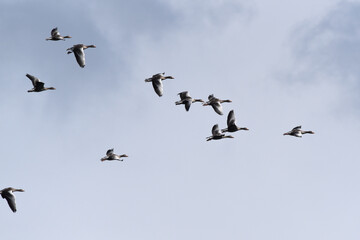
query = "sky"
x=282 y=63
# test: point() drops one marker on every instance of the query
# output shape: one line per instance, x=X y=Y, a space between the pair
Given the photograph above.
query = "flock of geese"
x=185 y=98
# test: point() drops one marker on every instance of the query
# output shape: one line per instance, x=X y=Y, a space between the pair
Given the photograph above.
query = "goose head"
x=18 y=190
x=89 y=46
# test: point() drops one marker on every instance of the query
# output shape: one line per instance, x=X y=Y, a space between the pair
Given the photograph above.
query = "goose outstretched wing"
x=187 y=105
x=33 y=79
x=80 y=56
x=231 y=118
x=158 y=86
x=215 y=130
x=184 y=95
x=55 y=32
x=296 y=128
x=109 y=152
x=10 y=198
x=217 y=107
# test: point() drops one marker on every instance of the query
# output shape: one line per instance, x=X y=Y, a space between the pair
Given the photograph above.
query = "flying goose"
x=7 y=193
x=216 y=134
x=38 y=85
x=55 y=35
x=78 y=51
x=110 y=156
x=157 y=82
x=231 y=123
x=297 y=132
x=215 y=103
x=187 y=100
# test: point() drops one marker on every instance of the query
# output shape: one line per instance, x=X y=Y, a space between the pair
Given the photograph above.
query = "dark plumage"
x=231 y=123
x=216 y=134
x=215 y=103
x=187 y=100
x=55 y=35
x=79 y=53
x=7 y=194
x=297 y=132
x=38 y=85
x=110 y=156
x=157 y=82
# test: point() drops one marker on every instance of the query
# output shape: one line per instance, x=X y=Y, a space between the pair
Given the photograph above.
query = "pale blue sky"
x=282 y=63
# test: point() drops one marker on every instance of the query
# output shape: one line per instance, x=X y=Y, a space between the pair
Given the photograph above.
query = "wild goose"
x=187 y=100
x=215 y=103
x=7 y=193
x=231 y=123
x=216 y=134
x=55 y=35
x=297 y=132
x=110 y=156
x=157 y=82
x=78 y=51
x=38 y=85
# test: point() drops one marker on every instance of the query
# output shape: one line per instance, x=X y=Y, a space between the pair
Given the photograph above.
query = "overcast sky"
x=282 y=63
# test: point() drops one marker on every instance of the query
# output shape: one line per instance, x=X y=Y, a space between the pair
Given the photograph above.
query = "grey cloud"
x=214 y=13
x=157 y=19
x=174 y=185
x=331 y=46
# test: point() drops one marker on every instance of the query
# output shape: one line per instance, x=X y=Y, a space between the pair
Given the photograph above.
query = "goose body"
x=7 y=194
x=79 y=53
x=297 y=132
x=231 y=123
x=215 y=103
x=157 y=82
x=216 y=134
x=38 y=85
x=55 y=35
x=187 y=100
x=110 y=156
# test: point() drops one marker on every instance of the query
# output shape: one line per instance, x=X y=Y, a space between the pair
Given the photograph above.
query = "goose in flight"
x=216 y=134
x=110 y=156
x=7 y=193
x=187 y=100
x=231 y=123
x=297 y=132
x=157 y=82
x=78 y=51
x=55 y=35
x=215 y=103
x=38 y=85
